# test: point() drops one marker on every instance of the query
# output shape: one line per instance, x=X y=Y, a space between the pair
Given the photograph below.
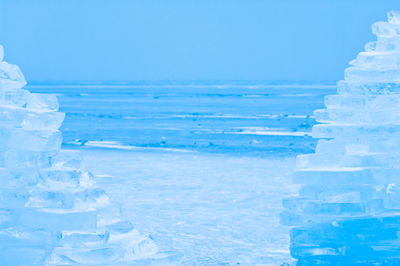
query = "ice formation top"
x=380 y=62
x=370 y=92
x=11 y=76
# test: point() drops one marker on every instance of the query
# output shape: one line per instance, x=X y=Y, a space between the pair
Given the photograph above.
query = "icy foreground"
x=51 y=211
x=347 y=211
x=201 y=208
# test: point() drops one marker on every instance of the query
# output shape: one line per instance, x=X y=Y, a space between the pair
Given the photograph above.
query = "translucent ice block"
x=354 y=132
x=21 y=118
x=17 y=97
x=359 y=74
x=335 y=177
x=11 y=77
x=394 y=17
x=367 y=116
x=326 y=160
x=42 y=102
x=361 y=87
x=375 y=59
x=385 y=29
x=33 y=140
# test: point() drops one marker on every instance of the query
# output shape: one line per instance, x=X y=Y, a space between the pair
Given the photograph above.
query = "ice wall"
x=348 y=208
x=51 y=211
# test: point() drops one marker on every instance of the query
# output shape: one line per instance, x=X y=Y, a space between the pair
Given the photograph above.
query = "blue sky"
x=187 y=39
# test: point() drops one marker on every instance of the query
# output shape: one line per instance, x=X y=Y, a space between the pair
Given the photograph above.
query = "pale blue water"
x=257 y=118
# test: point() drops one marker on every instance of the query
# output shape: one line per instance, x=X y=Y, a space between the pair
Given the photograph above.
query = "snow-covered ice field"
x=202 y=208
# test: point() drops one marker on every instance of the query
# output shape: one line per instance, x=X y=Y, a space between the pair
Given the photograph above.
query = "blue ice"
x=51 y=211
x=347 y=210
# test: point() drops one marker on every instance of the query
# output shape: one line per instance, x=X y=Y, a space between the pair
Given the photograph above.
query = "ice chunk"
x=17 y=98
x=387 y=45
x=68 y=159
x=13 y=198
x=361 y=74
x=394 y=17
x=42 y=121
x=344 y=193
x=367 y=88
x=123 y=243
x=392 y=196
x=352 y=238
x=350 y=116
x=384 y=29
x=358 y=158
x=32 y=140
x=335 y=177
x=40 y=198
x=355 y=132
x=42 y=102
x=330 y=146
x=21 y=118
x=85 y=256
x=361 y=102
x=11 y=77
x=378 y=60
x=370 y=46
x=84 y=239
x=22 y=159
x=59 y=179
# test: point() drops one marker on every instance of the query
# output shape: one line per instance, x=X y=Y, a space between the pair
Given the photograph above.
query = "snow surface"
x=200 y=208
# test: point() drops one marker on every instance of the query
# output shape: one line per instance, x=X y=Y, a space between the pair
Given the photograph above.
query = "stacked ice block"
x=348 y=208
x=51 y=211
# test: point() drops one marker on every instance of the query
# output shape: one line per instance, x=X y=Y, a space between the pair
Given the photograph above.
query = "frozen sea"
x=201 y=167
